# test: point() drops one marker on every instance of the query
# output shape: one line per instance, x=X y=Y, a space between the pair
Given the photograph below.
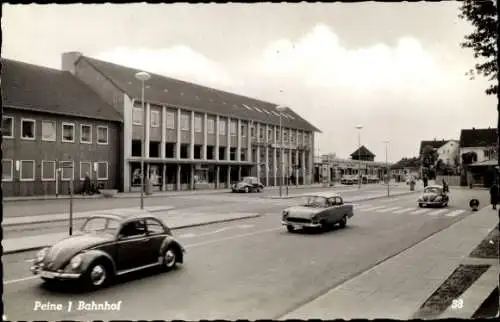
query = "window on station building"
x=234 y=128
x=137 y=116
x=170 y=120
x=185 y=122
x=222 y=127
x=198 y=126
x=28 y=129
x=210 y=125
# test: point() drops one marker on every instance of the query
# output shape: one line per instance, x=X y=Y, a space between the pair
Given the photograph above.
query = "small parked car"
x=347 y=179
x=434 y=196
x=109 y=245
x=321 y=210
x=248 y=184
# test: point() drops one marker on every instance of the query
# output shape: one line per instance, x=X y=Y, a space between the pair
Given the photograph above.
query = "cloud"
x=319 y=60
x=179 y=62
x=402 y=91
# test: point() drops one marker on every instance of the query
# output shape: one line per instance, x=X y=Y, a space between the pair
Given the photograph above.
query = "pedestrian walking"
x=86 y=184
x=425 y=181
x=494 y=195
x=445 y=187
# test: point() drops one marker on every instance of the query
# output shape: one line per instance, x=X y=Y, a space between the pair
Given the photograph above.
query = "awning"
x=487 y=163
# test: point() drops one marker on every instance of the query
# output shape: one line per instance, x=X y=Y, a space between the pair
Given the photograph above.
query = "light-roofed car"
x=320 y=210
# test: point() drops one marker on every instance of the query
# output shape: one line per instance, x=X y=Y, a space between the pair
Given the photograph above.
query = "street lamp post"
x=143 y=76
x=387 y=166
x=359 y=127
x=280 y=109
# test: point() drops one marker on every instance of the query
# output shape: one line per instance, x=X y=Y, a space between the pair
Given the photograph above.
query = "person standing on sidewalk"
x=494 y=195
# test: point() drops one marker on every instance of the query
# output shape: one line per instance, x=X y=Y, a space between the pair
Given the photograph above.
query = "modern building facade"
x=197 y=137
x=55 y=129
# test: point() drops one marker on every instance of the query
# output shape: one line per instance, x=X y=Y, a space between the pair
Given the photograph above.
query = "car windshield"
x=432 y=190
x=100 y=225
x=247 y=180
x=315 y=201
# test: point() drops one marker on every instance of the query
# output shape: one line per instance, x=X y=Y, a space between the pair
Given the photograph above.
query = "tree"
x=482 y=14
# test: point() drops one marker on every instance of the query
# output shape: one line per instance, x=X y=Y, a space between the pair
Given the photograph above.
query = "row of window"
x=49 y=131
x=27 y=170
x=155 y=116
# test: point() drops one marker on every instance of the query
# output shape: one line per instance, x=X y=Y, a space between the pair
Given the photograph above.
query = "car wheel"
x=97 y=275
x=290 y=228
x=169 y=259
x=247 y=190
x=420 y=205
x=343 y=222
x=325 y=226
x=445 y=204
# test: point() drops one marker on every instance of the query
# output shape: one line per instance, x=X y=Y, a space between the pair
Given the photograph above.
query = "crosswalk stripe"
x=388 y=209
x=437 y=212
x=420 y=211
x=403 y=210
x=373 y=208
x=455 y=213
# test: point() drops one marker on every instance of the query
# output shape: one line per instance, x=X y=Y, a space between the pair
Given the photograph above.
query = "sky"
x=396 y=69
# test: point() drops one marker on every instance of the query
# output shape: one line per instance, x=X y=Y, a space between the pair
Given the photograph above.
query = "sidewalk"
x=174 y=220
x=153 y=195
x=397 y=287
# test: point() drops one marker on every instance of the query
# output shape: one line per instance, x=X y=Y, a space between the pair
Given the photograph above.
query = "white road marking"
x=208 y=242
x=362 y=206
x=245 y=226
x=455 y=213
x=437 y=212
x=188 y=235
x=388 y=209
x=420 y=211
x=403 y=210
x=20 y=280
x=373 y=208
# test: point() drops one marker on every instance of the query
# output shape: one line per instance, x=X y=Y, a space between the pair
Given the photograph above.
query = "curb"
x=218 y=221
x=45 y=221
x=354 y=200
x=153 y=195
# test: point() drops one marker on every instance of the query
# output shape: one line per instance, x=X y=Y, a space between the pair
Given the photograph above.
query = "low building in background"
x=479 y=156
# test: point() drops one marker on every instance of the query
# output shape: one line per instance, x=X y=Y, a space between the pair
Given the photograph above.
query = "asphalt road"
x=249 y=269
x=40 y=207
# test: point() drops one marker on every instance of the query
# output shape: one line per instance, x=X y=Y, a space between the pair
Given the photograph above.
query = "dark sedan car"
x=109 y=245
x=248 y=184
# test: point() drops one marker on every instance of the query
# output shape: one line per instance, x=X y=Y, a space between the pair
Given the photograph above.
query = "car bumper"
x=300 y=224
x=37 y=270
x=431 y=202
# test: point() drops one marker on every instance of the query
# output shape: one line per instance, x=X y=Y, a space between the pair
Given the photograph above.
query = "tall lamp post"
x=359 y=127
x=280 y=109
x=387 y=166
x=143 y=76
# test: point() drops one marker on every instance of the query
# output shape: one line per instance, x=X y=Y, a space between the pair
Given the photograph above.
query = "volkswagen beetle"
x=433 y=196
x=109 y=245
x=322 y=210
